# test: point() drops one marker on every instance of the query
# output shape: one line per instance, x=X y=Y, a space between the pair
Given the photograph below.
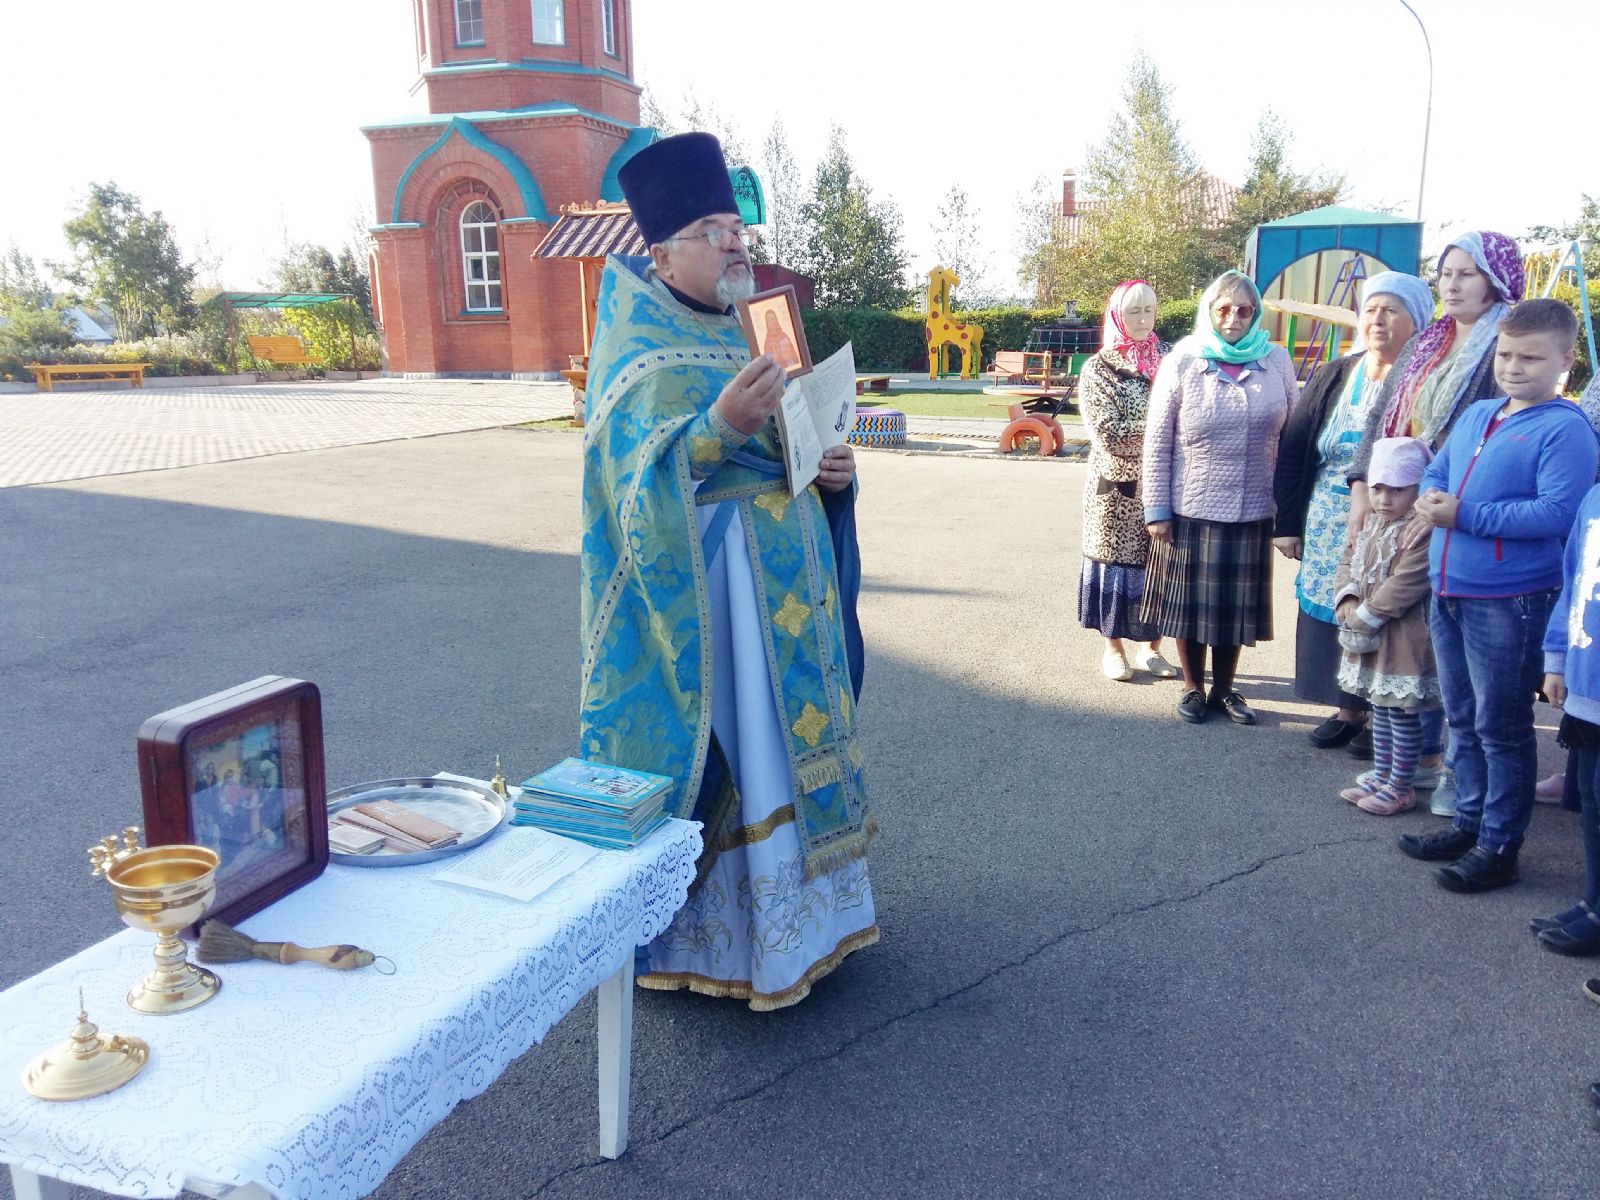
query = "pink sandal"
x=1387 y=801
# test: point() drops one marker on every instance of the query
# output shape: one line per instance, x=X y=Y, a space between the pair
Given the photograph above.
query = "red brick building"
x=531 y=106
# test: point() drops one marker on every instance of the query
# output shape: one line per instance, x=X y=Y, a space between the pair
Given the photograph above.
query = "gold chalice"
x=162 y=889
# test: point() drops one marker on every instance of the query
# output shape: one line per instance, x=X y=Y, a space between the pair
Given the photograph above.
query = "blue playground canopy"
x=1272 y=248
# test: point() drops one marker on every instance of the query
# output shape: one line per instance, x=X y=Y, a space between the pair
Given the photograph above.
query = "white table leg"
x=616 y=1059
x=30 y=1186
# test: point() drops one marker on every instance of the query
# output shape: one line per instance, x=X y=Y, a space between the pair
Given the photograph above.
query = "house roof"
x=1217 y=198
x=593 y=233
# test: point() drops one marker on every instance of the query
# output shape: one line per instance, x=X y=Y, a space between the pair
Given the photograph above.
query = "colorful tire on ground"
x=883 y=427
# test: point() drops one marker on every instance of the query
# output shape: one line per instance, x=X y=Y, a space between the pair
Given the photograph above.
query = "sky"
x=241 y=123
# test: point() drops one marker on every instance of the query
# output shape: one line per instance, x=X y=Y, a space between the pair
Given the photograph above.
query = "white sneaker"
x=1150 y=660
x=1114 y=666
x=1443 y=803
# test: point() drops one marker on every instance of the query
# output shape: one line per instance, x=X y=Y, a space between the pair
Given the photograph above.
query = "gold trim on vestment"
x=749 y=835
x=741 y=989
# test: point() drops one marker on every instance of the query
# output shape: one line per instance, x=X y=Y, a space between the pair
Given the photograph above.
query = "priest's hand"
x=752 y=396
x=837 y=468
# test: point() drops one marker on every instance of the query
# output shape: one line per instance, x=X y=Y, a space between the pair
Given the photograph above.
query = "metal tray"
x=472 y=808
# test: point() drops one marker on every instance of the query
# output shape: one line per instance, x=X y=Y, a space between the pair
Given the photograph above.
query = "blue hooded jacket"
x=1519 y=489
x=1572 y=639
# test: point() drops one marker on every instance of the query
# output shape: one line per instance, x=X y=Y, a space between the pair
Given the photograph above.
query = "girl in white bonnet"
x=1381 y=604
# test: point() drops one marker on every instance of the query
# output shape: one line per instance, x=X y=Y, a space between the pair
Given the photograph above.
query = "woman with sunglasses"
x=1217 y=408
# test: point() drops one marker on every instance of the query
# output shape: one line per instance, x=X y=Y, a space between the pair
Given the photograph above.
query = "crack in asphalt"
x=955 y=993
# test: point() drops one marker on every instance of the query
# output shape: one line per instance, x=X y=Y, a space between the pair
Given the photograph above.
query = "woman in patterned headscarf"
x=1449 y=366
x=1113 y=393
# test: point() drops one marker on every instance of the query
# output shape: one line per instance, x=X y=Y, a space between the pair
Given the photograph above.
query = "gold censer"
x=162 y=889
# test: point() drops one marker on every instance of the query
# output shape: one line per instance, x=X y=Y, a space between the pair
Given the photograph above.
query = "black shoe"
x=1591 y=989
x=1442 y=845
x=1193 y=707
x=1233 y=704
x=1594 y=1094
x=1577 y=911
x=1479 y=870
x=1579 y=939
x=1360 y=746
x=1335 y=732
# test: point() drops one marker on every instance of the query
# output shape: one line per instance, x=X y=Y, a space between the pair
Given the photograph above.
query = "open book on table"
x=818 y=411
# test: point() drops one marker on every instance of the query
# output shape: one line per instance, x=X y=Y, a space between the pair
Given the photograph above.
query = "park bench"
x=46 y=374
x=871 y=383
x=281 y=351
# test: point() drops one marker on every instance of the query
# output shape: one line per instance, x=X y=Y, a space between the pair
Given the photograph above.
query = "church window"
x=549 y=22
x=480 y=257
x=608 y=25
x=469 y=22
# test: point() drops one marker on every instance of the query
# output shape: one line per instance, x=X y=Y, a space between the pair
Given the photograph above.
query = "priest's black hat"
x=676 y=181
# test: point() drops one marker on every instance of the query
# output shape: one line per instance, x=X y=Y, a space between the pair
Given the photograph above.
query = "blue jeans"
x=1588 y=763
x=1490 y=666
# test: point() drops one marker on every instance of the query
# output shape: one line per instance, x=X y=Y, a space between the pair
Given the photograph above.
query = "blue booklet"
x=617 y=788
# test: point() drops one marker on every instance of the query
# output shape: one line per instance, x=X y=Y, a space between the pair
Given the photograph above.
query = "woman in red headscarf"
x=1114 y=392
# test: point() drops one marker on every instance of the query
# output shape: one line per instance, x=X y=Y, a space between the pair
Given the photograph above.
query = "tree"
x=850 y=245
x=1587 y=226
x=32 y=325
x=129 y=261
x=1146 y=214
x=781 y=181
x=327 y=329
x=955 y=245
x=1271 y=189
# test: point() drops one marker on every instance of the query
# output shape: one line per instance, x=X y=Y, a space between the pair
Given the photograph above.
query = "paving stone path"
x=62 y=435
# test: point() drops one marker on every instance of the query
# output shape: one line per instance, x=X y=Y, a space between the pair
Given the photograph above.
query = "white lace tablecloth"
x=313 y=1082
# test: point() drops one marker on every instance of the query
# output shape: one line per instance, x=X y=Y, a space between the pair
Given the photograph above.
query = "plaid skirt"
x=1213 y=584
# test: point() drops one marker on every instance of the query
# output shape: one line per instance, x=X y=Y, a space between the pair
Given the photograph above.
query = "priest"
x=720 y=641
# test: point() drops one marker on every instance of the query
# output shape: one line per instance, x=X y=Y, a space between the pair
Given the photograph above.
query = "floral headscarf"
x=1145 y=356
x=1500 y=261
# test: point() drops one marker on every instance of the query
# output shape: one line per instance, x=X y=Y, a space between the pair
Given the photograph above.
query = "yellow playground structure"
x=944 y=334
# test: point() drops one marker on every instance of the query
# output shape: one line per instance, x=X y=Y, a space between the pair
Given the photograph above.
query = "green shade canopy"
x=277 y=299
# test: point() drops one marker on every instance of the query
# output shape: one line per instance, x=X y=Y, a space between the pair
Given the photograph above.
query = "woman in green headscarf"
x=1217 y=407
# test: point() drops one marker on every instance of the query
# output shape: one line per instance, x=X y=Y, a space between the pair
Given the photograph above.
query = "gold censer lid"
x=86 y=1064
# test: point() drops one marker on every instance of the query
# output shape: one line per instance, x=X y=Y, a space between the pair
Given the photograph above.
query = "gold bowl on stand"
x=163 y=889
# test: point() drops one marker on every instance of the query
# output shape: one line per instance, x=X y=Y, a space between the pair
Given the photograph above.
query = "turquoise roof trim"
x=611 y=185
x=395 y=225
x=542 y=66
x=532 y=197
x=551 y=108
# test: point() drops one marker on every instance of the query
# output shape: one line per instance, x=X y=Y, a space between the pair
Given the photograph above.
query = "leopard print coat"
x=1113 y=397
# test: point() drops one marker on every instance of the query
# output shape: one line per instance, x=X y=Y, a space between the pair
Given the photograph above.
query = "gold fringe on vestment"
x=741 y=989
x=846 y=850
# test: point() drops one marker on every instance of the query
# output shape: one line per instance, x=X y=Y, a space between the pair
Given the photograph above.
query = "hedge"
x=893 y=341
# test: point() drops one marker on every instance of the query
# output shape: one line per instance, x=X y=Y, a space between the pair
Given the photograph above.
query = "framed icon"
x=241 y=772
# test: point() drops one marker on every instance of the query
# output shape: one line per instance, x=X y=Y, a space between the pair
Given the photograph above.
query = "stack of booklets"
x=611 y=807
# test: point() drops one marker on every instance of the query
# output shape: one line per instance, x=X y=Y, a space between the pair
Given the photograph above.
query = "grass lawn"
x=943 y=404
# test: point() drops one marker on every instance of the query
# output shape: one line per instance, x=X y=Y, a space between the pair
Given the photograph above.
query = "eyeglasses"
x=1224 y=311
x=719 y=237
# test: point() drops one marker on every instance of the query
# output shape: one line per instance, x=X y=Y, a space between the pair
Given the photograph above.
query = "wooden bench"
x=871 y=383
x=45 y=374
x=281 y=351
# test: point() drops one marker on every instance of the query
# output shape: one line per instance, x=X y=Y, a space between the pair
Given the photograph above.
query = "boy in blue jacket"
x=1572 y=683
x=1500 y=495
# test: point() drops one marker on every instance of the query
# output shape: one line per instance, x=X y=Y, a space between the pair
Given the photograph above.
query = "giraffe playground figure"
x=942 y=333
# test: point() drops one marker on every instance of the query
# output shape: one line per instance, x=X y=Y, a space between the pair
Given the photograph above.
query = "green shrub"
x=1175 y=319
x=894 y=341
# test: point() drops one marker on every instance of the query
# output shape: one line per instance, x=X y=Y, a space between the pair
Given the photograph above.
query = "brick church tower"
x=531 y=106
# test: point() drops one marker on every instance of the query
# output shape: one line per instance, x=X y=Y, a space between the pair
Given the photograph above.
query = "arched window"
x=480 y=257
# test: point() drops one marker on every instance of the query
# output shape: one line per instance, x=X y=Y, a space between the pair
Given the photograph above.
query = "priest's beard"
x=732 y=288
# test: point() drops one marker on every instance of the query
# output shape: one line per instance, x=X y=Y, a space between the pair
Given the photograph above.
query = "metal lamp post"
x=1427 y=122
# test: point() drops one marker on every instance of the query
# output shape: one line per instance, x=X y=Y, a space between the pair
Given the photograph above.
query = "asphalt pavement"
x=1122 y=956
